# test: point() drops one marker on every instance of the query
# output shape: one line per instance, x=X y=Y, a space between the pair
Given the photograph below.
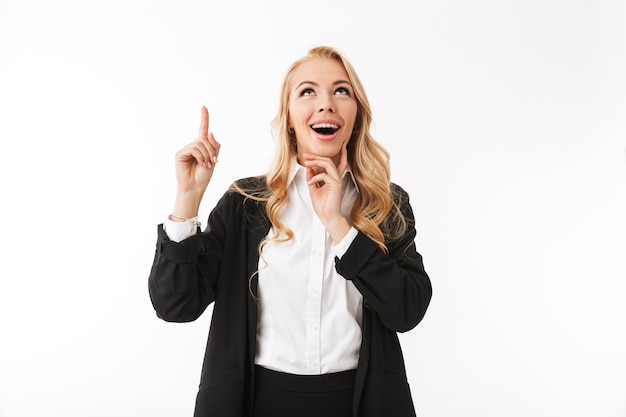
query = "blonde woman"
x=312 y=267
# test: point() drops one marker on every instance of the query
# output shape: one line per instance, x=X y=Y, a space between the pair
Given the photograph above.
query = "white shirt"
x=309 y=318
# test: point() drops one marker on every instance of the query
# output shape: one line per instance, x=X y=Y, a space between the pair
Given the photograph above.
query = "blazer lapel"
x=258 y=226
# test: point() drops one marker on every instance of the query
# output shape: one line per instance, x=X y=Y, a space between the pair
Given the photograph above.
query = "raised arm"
x=194 y=168
x=180 y=285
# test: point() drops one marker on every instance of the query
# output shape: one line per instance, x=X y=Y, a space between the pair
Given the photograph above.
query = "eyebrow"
x=317 y=85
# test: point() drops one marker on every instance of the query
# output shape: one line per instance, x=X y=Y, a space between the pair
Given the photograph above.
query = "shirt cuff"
x=179 y=231
x=342 y=247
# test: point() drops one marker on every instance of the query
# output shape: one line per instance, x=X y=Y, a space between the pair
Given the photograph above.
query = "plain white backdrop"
x=506 y=121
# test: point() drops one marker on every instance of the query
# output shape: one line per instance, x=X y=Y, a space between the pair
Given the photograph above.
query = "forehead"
x=319 y=71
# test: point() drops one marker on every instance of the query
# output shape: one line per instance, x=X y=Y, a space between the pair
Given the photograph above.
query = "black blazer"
x=220 y=265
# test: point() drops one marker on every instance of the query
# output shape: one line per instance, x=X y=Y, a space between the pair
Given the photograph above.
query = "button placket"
x=314 y=299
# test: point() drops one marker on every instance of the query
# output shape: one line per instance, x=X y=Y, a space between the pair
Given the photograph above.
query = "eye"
x=307 y=92
x=342 y=91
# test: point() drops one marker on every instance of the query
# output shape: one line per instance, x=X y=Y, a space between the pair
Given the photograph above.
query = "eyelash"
x=306 y=91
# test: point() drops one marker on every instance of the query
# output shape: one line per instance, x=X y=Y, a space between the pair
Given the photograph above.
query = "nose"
x=326 y=104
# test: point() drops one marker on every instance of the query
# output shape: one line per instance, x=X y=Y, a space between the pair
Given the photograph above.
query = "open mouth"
x=325 y=128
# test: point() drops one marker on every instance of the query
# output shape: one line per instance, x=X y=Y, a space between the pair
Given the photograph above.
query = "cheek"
x=352 y=116
x=350 y=110
x=296 y=115
x=292 y=117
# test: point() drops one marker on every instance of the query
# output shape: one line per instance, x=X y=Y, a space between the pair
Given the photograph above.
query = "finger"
x=317 y=180
x=215 y=145
x=191 y=154
x=204 y=123
x=343 y=162
x=212 y=147
x=321 y=179
x=322 y=164
x=200 y=158
x=199 y=151
x=309 y=174
x=314 y=181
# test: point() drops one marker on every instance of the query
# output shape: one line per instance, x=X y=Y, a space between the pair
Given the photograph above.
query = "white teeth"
x=325 y=125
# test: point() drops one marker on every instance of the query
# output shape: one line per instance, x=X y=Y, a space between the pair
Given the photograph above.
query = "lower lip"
x=326 y=138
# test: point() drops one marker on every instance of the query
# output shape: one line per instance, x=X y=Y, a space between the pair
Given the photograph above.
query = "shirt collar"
x=296 y=167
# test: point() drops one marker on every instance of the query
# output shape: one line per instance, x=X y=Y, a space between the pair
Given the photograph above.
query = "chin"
x=327 y=153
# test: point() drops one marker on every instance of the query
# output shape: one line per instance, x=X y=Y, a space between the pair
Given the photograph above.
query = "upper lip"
x=325 y=123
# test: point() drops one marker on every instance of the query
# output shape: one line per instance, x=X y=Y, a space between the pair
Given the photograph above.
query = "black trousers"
x=279 y=394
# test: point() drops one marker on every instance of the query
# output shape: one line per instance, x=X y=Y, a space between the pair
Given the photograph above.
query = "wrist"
x=338 y=229
x=186 y=205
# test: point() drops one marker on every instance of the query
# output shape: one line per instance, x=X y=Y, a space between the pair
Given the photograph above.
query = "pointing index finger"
x=204 y=123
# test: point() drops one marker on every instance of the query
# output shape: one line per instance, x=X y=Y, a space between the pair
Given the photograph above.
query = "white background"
x=506 y=121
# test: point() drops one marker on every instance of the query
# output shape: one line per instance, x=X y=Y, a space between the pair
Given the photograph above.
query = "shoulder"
x=254 y=188
x=242 y=189
x=245 y=192
x=256 y=183
x=400 y=199
x=244 y=197
x=399 y=194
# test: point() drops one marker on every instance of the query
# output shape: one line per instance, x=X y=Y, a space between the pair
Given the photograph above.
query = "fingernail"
x=215 y=159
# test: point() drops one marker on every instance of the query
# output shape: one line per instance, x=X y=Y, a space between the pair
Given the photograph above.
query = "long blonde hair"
x=376 y=211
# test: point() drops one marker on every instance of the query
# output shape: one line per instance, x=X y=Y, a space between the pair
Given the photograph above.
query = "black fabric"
x=279 y=394
x=219 y=265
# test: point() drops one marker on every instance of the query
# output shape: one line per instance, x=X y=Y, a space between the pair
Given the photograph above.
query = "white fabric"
x=179 y=231
x=309 y=316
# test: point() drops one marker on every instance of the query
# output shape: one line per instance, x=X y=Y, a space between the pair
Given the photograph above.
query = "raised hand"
x=194 y=168
x=325 y=186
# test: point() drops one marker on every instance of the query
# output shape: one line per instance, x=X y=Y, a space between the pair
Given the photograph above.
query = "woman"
x=312 y=267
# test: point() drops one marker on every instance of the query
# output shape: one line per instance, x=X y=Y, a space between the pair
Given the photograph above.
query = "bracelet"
x=179 y=217
x=175 y=216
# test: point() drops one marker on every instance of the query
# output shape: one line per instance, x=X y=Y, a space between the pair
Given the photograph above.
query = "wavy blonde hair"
x=376 y=211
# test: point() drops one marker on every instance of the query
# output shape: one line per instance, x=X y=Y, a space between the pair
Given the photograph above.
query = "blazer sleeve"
x=394 y=285
x=183 y=278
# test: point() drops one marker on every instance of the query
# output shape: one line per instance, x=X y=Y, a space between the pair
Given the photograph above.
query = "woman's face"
x=322 y=108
